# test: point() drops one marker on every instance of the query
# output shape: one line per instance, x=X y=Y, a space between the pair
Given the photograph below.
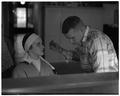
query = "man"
x=95 y=49
x=33 y=65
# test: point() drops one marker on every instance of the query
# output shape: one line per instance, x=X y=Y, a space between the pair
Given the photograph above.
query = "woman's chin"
x=41 y=54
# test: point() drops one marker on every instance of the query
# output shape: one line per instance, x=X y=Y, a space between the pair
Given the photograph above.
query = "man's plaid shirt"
x=100 y=50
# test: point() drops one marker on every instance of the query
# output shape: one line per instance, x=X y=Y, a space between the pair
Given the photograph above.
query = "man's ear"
x=83 y=28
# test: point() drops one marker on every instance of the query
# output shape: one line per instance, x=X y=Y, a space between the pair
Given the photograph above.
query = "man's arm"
x=68 y=54
x=104 y=56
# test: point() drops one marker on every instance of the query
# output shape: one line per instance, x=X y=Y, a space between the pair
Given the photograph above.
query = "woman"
x=33 y=65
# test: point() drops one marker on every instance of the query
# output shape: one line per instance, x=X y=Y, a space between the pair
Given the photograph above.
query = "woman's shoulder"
x=20 y=69
x=46 y=69
x=21 y=66
x=46 y=65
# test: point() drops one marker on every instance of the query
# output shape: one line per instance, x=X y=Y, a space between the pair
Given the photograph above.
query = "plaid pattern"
x=99 y=51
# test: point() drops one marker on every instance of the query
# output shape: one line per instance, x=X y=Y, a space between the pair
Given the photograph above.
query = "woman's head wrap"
x=28 y=40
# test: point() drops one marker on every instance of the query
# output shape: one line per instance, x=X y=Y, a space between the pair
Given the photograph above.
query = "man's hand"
x=67 y=55
x=85 y=60
x=56 y=47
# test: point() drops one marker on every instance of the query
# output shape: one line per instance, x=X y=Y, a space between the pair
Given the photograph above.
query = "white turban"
x=30 y=41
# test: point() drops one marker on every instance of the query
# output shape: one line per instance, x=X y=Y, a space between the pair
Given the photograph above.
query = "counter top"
x=87 y=83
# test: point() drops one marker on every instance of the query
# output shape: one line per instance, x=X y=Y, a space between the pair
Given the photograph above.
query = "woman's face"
x=37 y=47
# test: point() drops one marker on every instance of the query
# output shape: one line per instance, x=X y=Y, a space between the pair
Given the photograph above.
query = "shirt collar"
x=85 y=34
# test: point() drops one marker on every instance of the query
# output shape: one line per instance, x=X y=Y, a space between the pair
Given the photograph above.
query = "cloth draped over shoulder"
x=27 y=70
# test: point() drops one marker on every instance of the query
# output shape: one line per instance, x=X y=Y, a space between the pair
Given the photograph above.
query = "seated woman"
x=33 y=65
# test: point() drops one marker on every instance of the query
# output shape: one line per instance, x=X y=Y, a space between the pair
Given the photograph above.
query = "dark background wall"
x=95 y=17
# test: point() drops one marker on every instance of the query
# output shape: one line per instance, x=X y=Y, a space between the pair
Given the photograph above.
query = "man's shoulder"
x=95 y=36
x=94 y=33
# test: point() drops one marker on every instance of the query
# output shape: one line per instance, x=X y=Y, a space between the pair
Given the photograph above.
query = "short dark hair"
x=25 y=38
x=69 y=23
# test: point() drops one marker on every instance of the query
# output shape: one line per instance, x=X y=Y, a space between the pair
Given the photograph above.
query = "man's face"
x=75 y=36
x=37 y=47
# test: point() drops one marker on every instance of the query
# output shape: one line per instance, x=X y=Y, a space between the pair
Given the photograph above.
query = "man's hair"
x=70 y=22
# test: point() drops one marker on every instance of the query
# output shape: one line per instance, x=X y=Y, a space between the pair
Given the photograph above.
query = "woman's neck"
x=33 y=56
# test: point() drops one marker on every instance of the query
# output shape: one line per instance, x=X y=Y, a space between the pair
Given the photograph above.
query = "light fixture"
x=22 y=2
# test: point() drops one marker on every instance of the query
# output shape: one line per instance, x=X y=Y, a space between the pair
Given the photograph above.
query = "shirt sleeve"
x=104 y=56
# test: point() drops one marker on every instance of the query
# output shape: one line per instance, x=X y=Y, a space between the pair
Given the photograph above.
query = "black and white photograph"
x=60 y=47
